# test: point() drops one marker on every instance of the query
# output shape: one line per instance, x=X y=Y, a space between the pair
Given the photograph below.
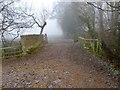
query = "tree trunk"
x=101 y=27
x=42 y=27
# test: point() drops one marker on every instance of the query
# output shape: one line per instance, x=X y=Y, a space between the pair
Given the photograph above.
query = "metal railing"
x=93 y=45
x=8 y=52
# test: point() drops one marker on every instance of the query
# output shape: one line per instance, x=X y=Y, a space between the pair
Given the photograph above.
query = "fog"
x=52 y=29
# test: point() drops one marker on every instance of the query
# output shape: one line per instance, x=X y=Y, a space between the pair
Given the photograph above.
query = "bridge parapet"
x=29 y=43
x=33 y=41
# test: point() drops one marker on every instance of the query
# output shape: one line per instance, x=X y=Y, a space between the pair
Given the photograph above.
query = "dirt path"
x=60 y=65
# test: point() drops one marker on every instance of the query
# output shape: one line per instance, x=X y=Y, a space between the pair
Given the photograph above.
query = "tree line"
x=95 y=20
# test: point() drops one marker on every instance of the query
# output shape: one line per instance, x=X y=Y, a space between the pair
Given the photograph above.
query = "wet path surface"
x=57 y=65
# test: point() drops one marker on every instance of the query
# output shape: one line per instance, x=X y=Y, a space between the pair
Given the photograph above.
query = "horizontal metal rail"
x=93 y=45
x=8 y=52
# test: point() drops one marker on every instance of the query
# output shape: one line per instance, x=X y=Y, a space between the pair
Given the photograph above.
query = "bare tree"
x=12 y=20
x=40 y=20
x=102 y=21
x=109 y=32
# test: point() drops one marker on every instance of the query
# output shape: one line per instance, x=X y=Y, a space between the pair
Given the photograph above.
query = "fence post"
x=46 y=39
x=93 y=45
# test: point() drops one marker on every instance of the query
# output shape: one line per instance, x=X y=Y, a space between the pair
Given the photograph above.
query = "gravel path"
x=57 y=65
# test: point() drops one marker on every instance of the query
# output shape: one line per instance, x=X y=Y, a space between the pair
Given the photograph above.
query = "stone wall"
x=31 y=41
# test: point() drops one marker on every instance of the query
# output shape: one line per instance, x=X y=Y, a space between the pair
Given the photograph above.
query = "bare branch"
x=15 y=37
x=100 y=8
x=117 y=7
x=43 y=17
x=33 y=19
x=6 y=6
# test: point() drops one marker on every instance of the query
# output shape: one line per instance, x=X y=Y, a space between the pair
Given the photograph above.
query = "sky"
x=38 y=4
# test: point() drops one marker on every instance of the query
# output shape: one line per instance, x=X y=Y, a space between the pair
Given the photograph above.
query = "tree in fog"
x=41 y=20
x=99 y=20
x=75 y=18
x=12 y=20
x=68 y=18
x=109 y=31
x=15 y=19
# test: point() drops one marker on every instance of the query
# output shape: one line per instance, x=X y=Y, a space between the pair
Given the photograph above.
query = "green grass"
x=34 y=49
x=31 y=50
